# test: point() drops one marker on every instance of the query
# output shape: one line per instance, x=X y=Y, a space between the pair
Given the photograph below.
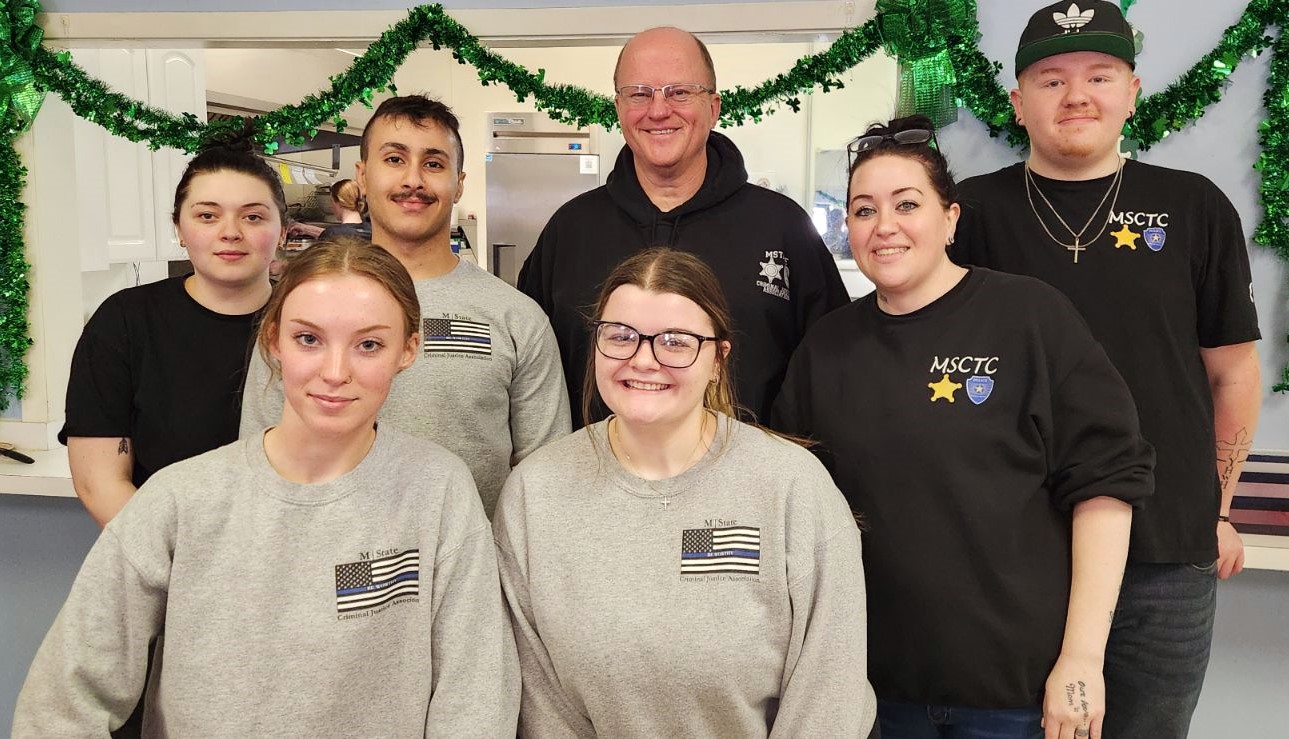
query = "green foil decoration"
x=936 y=42
x=917 y=32
x=19 y=98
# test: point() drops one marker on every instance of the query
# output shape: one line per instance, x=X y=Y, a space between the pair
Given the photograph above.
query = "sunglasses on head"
x=908 y=136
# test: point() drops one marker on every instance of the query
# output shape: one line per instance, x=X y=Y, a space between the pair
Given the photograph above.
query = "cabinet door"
x=125 y=179
x=87 y=159
x=177 y=83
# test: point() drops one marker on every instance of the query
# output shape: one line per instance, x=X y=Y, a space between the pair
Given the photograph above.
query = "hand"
x=1230 y=551
x=303 y=229
x=1074 y=701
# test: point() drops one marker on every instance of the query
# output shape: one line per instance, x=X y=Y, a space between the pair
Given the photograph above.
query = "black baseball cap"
x=1076 y=25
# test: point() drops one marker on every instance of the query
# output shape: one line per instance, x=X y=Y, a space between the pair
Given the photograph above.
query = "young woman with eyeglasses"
x=671 y=571
x=993 y=452
x=326 y=577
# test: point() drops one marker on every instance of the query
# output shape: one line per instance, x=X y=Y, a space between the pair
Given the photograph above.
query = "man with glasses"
x=1156 y=262
x=677 y=183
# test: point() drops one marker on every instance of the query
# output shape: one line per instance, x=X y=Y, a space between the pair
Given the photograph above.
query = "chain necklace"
x=616 y=446
x=1079 y=245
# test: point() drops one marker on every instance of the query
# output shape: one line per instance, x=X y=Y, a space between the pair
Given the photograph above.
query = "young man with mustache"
x=488 y=385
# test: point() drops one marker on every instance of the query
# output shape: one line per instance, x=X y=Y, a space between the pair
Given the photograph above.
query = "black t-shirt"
x=156 y=366
x=963 y=434
x=348 y=230
x=1169 y=275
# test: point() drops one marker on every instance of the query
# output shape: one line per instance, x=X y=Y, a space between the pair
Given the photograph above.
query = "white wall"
x=282 y=76
x=782 y=145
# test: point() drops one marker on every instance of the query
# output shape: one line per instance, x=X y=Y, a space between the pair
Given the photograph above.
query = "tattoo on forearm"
x=1232 y=453
x=123 y=447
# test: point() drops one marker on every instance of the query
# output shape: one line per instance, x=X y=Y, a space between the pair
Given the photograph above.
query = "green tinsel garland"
x=27 y=68
x=19 y=102
x=14 y=339
x=1273 y=135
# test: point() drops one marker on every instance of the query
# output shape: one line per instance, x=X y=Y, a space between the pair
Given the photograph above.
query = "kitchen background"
x=256 y=58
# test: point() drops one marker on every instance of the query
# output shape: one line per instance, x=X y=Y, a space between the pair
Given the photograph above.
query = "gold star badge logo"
x=943 y=389
x=1125 y=237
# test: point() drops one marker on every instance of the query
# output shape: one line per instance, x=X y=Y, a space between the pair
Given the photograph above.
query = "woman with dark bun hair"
x=158 y=371
x=994 y=453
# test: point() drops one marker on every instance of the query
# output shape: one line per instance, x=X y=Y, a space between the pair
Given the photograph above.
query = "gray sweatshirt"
x=488 y=384
x=725 y=602
x=365 y=606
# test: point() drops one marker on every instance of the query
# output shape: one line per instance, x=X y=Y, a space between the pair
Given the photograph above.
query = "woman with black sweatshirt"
x=993 y=452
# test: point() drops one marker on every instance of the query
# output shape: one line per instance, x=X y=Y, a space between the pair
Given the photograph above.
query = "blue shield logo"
x=1155 y=237
x=979 y=387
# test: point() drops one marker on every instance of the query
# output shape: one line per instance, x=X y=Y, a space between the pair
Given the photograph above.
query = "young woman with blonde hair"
x=347 y=564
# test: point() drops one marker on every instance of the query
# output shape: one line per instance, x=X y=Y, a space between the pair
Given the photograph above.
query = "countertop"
x=51 y=476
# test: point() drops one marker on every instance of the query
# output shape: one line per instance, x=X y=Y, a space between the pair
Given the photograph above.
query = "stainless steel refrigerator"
x=534 y=165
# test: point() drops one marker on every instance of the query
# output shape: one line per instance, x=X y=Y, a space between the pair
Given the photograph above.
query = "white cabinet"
x=177 y=83
x=124 y=191
x=94 y=200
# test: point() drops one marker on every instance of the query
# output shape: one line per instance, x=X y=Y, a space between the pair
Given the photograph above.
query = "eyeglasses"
x=638 y=96
x=909 y=136
x=675 y=349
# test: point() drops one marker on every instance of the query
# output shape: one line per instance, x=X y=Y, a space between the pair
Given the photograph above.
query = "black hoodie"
x=774 y=268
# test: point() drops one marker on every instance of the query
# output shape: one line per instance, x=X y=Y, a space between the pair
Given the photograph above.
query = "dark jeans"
x=1158 y=649
x=912 y=721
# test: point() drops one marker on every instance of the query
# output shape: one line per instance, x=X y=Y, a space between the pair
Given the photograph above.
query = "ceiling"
x=208 y=6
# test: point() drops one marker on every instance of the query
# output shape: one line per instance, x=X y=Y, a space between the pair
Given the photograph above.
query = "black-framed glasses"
x=639 y=96
x=908 y=136
x=675 y=349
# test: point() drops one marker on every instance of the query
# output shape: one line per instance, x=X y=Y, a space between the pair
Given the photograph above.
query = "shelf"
x=50 y=476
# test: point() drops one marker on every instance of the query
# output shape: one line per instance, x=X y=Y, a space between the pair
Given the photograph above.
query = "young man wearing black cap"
x=1155 y=259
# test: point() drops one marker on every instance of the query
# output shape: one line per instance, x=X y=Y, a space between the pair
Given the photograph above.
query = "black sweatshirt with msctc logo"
x=963 y=434
x=1168 y=276
x=772 y=265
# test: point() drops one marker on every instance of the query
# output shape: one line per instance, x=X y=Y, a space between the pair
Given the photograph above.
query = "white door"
x=176 y=83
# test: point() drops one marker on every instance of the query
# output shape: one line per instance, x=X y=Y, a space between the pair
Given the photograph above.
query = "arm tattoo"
x=1232 y=453
x=123 y=447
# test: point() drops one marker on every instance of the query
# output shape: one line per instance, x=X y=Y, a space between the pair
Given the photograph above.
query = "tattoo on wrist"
x=1231 y=454
x=123 y=447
